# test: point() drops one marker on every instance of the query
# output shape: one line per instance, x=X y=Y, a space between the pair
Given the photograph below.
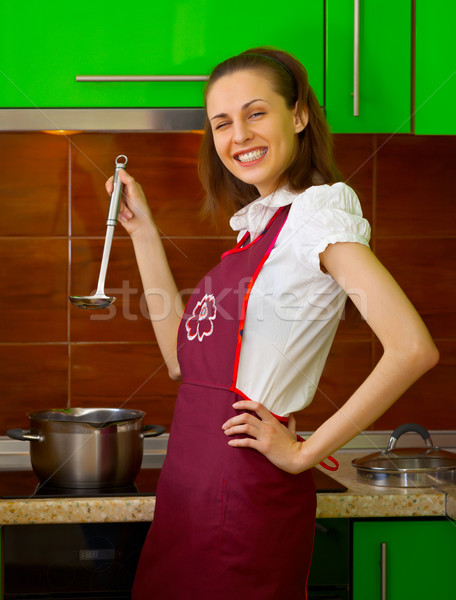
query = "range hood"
x=102 y=119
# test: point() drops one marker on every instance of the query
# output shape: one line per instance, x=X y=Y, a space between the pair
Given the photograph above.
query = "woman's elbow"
x=424 y=355
x=433 y=356
x=175 y=373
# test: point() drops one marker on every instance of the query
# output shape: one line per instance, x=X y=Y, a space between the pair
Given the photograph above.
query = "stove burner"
x=54 y=492
x=24 y=484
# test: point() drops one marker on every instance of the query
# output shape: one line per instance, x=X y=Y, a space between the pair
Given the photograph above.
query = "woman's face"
x=255 y=133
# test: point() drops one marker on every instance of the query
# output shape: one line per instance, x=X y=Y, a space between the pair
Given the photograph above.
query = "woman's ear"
x=301 y=118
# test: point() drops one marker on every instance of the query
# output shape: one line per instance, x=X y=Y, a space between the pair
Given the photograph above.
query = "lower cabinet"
x=404 y=559
x=329 y=575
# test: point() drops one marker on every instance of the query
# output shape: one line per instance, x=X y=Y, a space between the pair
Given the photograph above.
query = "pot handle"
x=153 y=430
x=422 y=431
x=23 y=435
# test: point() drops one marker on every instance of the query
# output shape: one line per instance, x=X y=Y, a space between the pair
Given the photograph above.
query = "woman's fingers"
x=255 y=407
x=124 y=212
x=245 y=425
x=109 y=185
x=134 y=212
x=264 y=433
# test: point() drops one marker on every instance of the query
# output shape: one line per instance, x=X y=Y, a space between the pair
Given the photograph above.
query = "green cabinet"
x=45 y=45
x=418 y=559
x=385 y=46
x=435 y=67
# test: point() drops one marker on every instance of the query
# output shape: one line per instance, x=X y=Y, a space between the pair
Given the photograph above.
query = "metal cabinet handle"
x=383 y=571
x=356 y=60
x=140 y=78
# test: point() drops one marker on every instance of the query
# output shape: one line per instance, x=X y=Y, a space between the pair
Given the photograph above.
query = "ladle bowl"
x=100 y=299
x=96 y=301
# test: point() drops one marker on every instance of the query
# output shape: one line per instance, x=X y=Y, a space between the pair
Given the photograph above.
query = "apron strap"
x=330 y=467
x=323 y=464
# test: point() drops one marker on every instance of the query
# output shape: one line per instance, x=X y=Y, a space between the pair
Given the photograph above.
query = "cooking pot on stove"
x=86 y=447
x=408 y=467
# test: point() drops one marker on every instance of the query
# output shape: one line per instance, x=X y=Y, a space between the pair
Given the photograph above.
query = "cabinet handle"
x=383 y=571
x=136 y=78
x=356 y=60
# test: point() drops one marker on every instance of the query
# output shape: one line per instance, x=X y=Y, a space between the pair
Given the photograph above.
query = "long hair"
x=313 y=163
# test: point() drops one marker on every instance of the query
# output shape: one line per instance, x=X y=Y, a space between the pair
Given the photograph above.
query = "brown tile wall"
x=53 y=209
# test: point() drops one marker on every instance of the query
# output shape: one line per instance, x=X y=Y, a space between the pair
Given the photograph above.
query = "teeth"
x=249 y=156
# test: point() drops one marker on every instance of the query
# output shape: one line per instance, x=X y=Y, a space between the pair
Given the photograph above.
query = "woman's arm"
x=164 y=302
x=408 y=347
x=408 y=353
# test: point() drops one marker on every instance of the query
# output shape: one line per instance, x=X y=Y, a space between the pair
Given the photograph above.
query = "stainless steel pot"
x=86 y=447
x=408 y=467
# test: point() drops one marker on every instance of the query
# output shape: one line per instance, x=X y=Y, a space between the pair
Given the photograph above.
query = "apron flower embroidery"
x=201 y=321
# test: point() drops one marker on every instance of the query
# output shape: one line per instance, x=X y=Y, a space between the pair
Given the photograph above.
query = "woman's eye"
x=221 y=125
x=256 y=114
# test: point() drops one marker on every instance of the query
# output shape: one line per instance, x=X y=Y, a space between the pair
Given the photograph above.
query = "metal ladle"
x=99 y=299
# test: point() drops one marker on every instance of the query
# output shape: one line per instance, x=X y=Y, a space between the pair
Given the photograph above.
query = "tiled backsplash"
x=53 y=212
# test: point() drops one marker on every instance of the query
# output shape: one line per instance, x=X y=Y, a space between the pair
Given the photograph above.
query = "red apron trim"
x=239 y=246
x=247 y=295
x=329 y=467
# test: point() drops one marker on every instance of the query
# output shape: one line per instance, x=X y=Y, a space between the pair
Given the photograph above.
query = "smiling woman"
x=254 y=131
x=236 y=502
x=287 y=99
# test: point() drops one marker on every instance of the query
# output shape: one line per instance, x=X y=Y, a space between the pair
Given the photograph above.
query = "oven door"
x=63 y=562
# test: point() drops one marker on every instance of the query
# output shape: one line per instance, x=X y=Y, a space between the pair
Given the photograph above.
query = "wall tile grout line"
x=69 y=277
x=375 y=150
x=94 y=343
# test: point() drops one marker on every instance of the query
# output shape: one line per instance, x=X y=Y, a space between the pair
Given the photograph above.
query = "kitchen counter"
x=360 y=500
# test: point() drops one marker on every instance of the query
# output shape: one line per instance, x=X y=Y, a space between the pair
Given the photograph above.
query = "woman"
x=236 y=502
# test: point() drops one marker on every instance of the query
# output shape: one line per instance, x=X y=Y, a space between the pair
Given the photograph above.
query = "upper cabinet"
x=361 y=74
x=435 y=74
x=44 y=46
x=368 y=68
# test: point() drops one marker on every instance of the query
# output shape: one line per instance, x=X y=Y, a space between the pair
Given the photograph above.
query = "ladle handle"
x=116 y=192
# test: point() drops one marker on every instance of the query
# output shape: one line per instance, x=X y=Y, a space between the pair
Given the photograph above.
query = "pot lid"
x=94 y=416
x=407 y=460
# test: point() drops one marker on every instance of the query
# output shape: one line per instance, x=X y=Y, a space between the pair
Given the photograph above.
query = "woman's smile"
x=250 y=157
x=255 y=132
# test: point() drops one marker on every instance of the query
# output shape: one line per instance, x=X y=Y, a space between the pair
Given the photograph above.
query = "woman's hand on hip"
x=267 y=435
x=134 y=212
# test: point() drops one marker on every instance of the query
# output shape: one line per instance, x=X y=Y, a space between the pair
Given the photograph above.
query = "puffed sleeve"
x=326 y=215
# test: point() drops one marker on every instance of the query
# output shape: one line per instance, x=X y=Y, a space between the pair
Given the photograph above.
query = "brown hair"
x=313 y=163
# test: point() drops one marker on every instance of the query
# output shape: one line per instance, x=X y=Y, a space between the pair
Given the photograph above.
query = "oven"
x=71 y=562
x=86 y=561
x=97 y=561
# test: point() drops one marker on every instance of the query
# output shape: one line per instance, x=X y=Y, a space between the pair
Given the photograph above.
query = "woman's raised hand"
x=134 y=212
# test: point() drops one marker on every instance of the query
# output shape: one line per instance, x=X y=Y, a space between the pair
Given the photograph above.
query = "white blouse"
x=294 y=308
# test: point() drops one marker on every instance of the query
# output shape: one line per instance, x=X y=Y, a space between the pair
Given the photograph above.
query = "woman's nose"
x=242 y=133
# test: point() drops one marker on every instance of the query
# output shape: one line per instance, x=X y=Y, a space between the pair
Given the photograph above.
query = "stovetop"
x=24 y=484
x=21 y=484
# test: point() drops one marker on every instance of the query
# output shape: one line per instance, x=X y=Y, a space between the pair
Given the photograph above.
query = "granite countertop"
x=360 y=500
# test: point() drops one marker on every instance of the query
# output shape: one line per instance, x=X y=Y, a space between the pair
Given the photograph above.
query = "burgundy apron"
x=228 y=524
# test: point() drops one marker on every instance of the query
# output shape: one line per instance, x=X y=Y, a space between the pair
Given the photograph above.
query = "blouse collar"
x=255 y=216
